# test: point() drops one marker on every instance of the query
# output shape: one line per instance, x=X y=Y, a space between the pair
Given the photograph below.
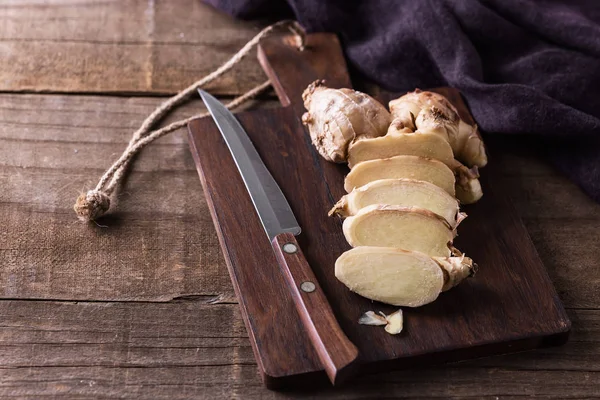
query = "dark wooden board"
x=509 y=306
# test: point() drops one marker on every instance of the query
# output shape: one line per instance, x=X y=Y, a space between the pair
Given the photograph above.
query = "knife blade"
x=336 y=352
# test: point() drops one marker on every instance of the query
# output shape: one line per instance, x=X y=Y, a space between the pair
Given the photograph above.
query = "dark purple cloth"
x=524 y=67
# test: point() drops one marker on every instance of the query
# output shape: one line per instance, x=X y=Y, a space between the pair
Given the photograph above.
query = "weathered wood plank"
x=183 y=350
x=120 y=47
x=570 y=251
x=562 y=221
x=160 y=242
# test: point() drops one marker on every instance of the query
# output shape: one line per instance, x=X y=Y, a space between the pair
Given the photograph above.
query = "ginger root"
x=401 y=209
x=400 y=192
x=400 y=277
x=398 y=143
x=338 y=117
x=408 y=228
x=433 y=113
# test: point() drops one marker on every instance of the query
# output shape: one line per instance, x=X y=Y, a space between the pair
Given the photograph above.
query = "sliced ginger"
x=408 y=228
x=401 y=208
x=400 y=277
x=400 y=192
x=407 y=167
x=337 y=117
x=426 y=145
x=422 y=144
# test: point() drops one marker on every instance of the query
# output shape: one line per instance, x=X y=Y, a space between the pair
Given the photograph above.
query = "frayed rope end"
x=91 y=205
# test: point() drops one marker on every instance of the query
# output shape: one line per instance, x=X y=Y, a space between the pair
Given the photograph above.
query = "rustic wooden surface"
x=144 y=308
x=141 y=47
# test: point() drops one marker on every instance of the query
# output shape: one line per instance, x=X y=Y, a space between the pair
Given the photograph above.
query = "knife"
x=335 y=351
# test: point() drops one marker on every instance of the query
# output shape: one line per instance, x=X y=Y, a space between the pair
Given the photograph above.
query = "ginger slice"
x=400 y=192
x=336 y=117
x=408 y=167
x=400 y=277
x=409 y=228
x=426 y=145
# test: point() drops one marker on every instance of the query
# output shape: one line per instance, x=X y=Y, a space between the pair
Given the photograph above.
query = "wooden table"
x=143 y=308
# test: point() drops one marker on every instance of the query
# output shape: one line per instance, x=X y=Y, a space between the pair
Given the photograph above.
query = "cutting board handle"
x=291 y=70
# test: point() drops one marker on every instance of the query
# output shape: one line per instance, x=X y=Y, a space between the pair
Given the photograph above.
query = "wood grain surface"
x=115 y=46
x=196 y=346
x=51 y=148
x=184 y=350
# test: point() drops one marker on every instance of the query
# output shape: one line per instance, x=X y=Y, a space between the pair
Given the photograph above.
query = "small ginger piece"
x=393 y=322
x=396 y=143
x=408 y=228
x=407 y=167
x=400 y=192
x=469 y=145
x=432 y=112
x=338 y=117
x=468 y=188
x=400 y=277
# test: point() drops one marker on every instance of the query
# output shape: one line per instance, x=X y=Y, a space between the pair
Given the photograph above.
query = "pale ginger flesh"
x=426 y=145
x=406 y=167
x=408 y=228
x=422 y=144
x=399 y=277
x=432 y=112
x=337 y=117
x=401 y=192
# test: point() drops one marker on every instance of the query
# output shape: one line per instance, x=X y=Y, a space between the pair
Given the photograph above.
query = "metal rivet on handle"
x=290 y=248
x=308 y=287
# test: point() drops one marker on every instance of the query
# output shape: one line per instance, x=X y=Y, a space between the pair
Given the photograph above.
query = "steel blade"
x=271 y=205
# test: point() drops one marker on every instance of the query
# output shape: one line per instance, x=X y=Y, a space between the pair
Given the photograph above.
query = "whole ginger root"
x=338 y=117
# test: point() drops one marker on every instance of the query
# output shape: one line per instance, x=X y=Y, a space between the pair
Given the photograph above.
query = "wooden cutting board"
x=510 y=305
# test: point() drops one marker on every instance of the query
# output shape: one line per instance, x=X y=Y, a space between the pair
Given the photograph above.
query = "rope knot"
x=91 y=205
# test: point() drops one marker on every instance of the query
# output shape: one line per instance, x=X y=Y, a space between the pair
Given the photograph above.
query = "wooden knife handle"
x=336 y=352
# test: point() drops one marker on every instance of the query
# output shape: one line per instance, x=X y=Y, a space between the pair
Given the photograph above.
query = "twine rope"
x=96 y=202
